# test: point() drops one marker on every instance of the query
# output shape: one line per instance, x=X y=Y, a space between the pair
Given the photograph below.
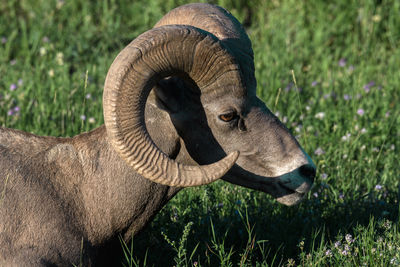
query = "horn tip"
x=233 y=156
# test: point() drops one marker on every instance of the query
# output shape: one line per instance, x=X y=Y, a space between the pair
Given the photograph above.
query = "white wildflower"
x=320 y=115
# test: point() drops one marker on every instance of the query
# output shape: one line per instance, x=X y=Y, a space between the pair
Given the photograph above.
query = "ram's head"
x=199 y=62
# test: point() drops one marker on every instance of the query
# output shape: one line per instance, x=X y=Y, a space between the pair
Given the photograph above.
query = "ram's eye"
x=228 y=116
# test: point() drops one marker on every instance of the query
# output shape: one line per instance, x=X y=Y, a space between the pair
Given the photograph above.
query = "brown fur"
x=60 y=193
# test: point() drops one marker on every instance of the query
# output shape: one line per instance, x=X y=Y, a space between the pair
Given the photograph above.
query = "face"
x=271 y=160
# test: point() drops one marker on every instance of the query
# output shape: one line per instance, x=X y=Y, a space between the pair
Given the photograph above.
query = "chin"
x=291 y=199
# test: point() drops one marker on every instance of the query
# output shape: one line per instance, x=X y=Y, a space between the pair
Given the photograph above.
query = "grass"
x=343 y=108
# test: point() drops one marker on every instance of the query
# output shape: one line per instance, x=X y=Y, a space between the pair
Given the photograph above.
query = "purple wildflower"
x=315 y=194
x=20 y=82
x=346 y=97
x=13 y=86
x=319 y=151
x=387 y=114
x=368 y=86
x=378 y=187
x=328 y=253
x=13 y=111
x=288 y=87
x=314 y=83
x=3 y=40
x=88 y=96
x=360 y=111
x=342 y=62
x=341 y=196
x=45 y=39
x=338 y=244
x=83 y=117
x=324 y=176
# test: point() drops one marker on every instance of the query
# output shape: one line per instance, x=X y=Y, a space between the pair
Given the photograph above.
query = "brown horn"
x=221 y=23
x=165 y=51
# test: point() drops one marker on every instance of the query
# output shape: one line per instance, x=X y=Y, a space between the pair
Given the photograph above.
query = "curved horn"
x=165 y=51
x=221 y=23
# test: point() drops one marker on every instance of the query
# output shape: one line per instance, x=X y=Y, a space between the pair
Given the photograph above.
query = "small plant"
x=129 y=258
x=218 y=248
x=182 y=258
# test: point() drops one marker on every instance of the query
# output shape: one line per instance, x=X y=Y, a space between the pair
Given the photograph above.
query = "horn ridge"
x=158 y=53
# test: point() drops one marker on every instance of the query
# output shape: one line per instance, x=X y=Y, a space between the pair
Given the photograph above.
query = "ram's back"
x=16 y=141
x=29 y=200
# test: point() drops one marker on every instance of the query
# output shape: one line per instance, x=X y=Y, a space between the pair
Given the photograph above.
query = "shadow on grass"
x=277 y=229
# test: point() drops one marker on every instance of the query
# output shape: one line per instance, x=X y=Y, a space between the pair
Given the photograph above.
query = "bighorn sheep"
x=180 y=110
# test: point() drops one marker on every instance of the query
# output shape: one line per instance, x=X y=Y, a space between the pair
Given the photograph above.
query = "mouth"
x=289 y=196
x=284 y=190
x=292 y=199
x=288 y=189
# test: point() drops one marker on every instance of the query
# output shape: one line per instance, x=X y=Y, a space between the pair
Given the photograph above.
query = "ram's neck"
x=115 y=198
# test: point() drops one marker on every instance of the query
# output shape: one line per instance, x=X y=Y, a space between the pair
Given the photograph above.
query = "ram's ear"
x=168 y=94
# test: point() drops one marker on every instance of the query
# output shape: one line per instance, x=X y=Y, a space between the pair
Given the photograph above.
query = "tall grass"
x=343 y=108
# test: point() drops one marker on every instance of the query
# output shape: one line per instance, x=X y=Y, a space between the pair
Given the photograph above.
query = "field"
x=328 y=69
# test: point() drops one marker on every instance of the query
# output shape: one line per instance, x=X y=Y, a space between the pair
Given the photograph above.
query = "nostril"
x=308 y=171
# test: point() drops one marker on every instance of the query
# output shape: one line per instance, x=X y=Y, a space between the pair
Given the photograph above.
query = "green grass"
x=344 y=109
